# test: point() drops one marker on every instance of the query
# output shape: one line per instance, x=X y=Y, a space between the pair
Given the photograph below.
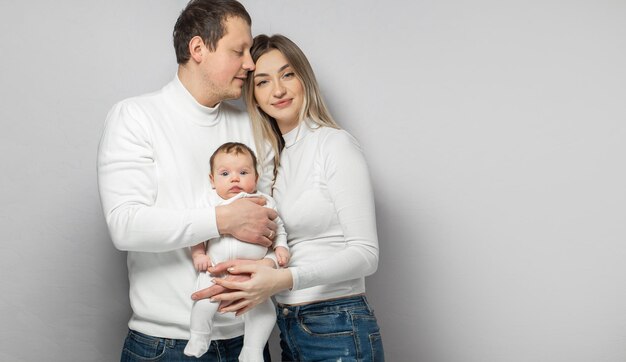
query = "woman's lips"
x=283 y=104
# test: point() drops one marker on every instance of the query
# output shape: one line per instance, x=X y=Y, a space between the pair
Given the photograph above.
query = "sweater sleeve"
x=347 y=177
x=127 y=181
x=281 y=233
x=266 y=169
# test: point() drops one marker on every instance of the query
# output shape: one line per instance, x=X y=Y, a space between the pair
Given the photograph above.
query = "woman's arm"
x=348 y=182
x=240 y=274
x=241 y=296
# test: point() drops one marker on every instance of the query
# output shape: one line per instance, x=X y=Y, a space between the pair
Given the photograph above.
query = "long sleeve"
x=347 y=178
x=128 y=184
x=281 y=234
x=153 y=178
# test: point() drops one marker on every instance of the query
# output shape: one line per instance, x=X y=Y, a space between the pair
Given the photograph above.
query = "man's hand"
x=247 y=220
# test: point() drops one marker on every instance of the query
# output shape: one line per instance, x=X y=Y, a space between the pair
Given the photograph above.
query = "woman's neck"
x=286 y=127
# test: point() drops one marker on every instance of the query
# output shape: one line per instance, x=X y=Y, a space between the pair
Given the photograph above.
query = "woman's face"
x=277 y=90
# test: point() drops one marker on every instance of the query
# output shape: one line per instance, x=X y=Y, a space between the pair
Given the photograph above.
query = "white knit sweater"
x=153 y=168
x=325 y=200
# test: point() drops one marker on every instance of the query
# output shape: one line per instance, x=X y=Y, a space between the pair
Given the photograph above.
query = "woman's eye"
x=289 y=75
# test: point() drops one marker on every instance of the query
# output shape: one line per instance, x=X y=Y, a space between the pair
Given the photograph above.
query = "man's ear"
x=197 y=48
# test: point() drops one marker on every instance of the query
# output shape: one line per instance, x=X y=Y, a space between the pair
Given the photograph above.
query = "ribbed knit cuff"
x=203 y=224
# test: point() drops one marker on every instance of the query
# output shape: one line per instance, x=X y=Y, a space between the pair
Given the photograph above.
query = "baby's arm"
x=201 y=260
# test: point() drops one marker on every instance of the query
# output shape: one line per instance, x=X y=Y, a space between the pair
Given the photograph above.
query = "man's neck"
x=192 y=82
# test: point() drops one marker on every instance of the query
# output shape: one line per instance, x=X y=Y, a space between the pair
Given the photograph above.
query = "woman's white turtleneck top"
x=325 y=199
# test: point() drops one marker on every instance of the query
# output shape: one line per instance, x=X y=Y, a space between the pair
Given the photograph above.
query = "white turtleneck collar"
x=194 y=111
x=302 y=130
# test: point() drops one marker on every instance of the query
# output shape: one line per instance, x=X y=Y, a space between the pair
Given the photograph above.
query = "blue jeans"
x=141 y=347
x=343 y=329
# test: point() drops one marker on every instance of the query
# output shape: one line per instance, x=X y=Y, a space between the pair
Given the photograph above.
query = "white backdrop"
x=494 y=131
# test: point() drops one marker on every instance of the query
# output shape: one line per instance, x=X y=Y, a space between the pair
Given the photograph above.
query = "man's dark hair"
x=204 y=18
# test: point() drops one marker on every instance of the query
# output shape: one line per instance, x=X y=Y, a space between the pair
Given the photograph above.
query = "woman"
x=324 y=196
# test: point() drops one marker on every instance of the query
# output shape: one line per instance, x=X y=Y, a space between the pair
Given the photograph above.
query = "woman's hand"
x=217 y=289
x=220 y=269
x=264 y=282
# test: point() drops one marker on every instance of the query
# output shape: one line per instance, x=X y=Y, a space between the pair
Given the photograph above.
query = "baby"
x=233 y=176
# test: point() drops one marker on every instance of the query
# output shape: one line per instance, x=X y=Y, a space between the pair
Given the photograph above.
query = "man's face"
x=225 y=69
x=232 y=174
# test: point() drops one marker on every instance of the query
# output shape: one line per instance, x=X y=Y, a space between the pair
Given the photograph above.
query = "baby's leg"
x=259 y=322
x=202 y=314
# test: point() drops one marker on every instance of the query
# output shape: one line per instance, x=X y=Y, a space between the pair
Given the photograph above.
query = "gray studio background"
x=494 y=131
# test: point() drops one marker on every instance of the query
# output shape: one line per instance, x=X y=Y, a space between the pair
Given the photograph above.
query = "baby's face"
x=232 y=174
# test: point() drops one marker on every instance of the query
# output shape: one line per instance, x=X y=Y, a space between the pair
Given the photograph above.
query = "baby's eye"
x=244 y=172
x=224 y=173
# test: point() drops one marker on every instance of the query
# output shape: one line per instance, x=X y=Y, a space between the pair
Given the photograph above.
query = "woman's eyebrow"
x=267 y=75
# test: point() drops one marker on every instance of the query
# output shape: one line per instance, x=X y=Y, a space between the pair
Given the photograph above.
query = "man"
x=153 y=167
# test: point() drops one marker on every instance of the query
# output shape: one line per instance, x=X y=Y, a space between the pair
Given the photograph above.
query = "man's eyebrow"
x=267 y=75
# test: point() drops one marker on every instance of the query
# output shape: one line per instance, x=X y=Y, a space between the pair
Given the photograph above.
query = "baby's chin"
x=235 y=193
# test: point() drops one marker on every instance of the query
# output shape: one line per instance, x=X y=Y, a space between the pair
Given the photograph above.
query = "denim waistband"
x=326 y=306
x=147 y=339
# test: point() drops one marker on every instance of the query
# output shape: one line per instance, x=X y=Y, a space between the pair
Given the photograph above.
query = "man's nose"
x=248 y=63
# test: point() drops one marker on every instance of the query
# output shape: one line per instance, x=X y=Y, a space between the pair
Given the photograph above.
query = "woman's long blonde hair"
x=314 y=109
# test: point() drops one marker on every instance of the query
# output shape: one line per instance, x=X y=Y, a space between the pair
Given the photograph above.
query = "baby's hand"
x=201 y=262
x=282 y=256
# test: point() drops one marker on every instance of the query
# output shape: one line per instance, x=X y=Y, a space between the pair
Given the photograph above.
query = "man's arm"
x=128 y=184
